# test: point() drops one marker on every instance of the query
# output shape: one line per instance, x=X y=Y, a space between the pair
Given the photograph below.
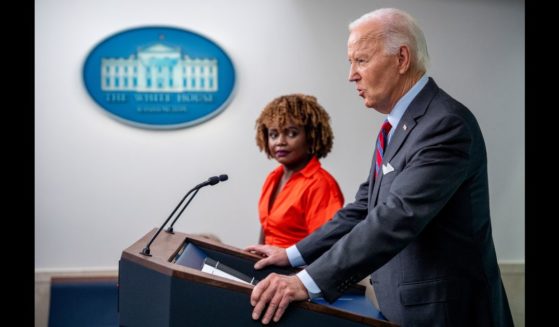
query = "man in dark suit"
x=420 y=223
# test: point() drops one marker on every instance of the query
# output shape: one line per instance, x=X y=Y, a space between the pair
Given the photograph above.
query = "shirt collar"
x=308 y=171
x=400 y=108
x=311 y=167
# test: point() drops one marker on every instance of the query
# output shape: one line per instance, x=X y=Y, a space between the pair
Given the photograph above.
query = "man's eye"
x=358 y=62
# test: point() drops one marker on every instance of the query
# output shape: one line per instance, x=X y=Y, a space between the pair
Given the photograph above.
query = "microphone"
x=211 y=181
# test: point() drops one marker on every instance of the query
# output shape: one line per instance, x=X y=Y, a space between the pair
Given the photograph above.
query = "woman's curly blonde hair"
x=303 y=110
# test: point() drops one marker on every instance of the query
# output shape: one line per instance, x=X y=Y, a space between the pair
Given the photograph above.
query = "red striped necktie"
x=382 y=139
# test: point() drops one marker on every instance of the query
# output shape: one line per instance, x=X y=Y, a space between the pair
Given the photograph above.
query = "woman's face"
x=288 y=144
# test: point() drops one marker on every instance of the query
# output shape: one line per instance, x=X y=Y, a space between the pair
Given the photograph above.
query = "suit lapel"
x=408 y=121
x=401 y=132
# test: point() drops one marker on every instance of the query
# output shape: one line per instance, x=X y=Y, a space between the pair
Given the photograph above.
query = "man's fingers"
x=261 y=263
x=272 y=307
x=258 y=249
x=261 y=295
x=257 y=311
x=290 y=294
x=273 y=295
x=284 y=303
x=251 y=248
x=257 y=291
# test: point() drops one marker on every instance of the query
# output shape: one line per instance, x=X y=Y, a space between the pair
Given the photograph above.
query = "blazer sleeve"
x=357 y=243
x=323 y=200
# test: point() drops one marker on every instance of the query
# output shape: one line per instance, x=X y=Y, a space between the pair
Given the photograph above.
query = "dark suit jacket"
x=422 y=230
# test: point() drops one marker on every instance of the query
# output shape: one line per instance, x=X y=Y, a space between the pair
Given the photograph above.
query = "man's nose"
x=353 y=76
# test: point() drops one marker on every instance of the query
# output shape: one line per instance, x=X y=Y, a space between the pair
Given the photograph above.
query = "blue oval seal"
x=159 y=77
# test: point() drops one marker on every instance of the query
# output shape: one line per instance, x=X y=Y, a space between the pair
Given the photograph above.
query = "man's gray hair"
x=399 y=28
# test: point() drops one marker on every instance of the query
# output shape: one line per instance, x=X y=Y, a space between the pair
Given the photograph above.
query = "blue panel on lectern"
x=191 y=256
x=358 y=304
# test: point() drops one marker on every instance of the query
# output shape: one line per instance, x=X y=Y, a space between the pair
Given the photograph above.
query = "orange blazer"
x=310 y=198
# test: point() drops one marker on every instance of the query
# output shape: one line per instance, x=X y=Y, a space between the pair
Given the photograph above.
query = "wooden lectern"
x=169 y=288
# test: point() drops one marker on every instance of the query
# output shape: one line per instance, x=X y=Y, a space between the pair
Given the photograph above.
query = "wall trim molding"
x=512 y=267
x=45 y=275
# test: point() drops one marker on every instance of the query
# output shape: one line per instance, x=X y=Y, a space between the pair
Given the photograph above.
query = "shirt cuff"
x=294 y=256
x=309 y=283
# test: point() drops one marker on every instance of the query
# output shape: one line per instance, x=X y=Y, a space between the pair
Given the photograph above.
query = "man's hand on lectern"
x=273 y=255
x=276 y=292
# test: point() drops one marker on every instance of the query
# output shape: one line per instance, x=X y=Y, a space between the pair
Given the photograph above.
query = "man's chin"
x=367 y=104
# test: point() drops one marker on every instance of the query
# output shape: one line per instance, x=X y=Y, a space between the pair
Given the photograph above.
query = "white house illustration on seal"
x=159 y=68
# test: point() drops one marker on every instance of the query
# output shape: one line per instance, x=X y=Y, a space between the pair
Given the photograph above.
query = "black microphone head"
x=213 y=180
x=223 y=178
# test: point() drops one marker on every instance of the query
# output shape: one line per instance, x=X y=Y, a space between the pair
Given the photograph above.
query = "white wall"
x=100 y=185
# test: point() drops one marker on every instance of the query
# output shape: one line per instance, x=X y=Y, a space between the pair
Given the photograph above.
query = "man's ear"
x=404 y=59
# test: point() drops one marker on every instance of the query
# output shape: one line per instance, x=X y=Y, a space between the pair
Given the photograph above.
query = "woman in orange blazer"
x=299 y=195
